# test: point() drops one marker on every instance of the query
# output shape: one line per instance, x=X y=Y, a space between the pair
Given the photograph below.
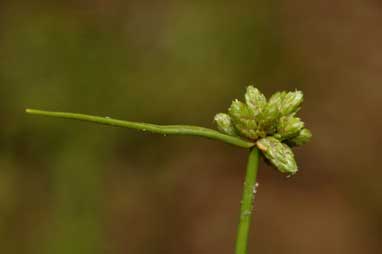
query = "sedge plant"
x=266 y=128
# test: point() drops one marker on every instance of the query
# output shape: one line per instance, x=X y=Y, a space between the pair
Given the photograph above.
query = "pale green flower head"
x=271 y=124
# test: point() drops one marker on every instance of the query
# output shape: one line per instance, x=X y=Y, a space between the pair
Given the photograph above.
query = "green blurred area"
x=70 y=187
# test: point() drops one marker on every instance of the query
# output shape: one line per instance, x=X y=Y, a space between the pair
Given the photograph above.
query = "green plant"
x=265 y=127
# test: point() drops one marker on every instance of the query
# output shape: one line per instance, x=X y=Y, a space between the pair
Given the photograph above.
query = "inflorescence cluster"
x=272 y=124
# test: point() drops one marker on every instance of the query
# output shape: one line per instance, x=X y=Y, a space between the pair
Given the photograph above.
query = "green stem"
x=160 y=129
x=247 y=202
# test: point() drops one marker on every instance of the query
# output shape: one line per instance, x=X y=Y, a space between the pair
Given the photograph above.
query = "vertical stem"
x=247 y=202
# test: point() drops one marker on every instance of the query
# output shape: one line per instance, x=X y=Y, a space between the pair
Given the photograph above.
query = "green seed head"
x=288 y=127
x=255 y=100
x=272 y=110
x=291 y=103
x=277 y=98
x=280 y=155
x=224 y=124
x=243 y=119
x=273 y=125
x=271 y=113
x=302 y=138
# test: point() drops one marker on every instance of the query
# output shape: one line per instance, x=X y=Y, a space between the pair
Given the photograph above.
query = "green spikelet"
x=291 y=103
x=288 y=127
x=225 y=124
x=302 y=138
x=280 y=155
x=255 y=100
x=243 y=119
x=271 y=113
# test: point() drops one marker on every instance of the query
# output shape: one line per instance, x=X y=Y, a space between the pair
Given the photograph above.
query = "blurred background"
x=73 y=187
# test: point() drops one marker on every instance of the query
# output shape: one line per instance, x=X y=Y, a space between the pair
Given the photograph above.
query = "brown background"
x=70 y=187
